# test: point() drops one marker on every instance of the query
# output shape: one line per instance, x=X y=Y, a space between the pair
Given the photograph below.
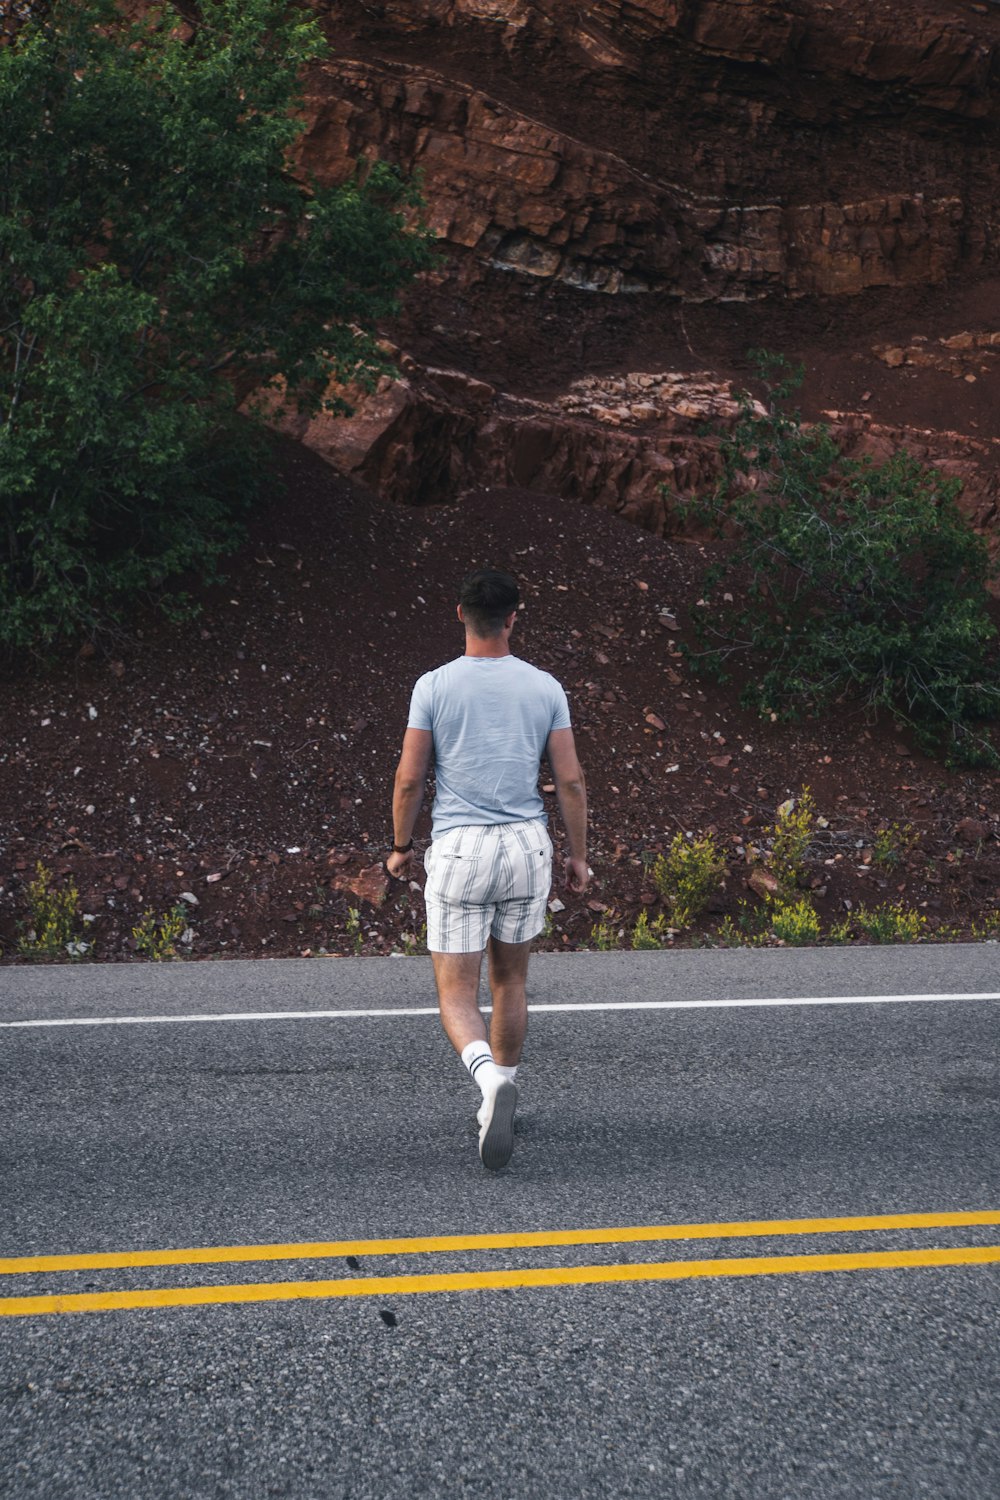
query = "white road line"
x=431 y=1010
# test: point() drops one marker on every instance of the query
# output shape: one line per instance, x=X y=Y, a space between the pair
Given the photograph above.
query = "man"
x=485 y=720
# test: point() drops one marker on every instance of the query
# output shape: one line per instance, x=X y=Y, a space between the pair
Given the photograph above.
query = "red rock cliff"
x=713 y=148
x=633 y=192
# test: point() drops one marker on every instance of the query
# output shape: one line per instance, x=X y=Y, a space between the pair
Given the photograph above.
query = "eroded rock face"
x=722 y=149
x=614 y=442
x=720 y=157
x=640 y=444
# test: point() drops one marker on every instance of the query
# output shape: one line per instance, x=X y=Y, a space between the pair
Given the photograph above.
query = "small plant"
x=795 y=923
x=751 y=929
x=605 y=938
x=840 y=933
x=891 y=923
x=647 y=934
x=728 y=935
x=50 y=928
x=793 y=832
x=354 y=932
x=412 y=943
x=987 y=930
x=893 y=841
x=157 y=936
x=751 y=920
x=687 y=876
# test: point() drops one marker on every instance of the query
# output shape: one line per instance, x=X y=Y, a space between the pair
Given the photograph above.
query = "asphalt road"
x=319 y=1130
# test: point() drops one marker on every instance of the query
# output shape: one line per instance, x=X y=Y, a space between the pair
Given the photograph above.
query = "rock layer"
x=640 y=445
x=722 y=149
x=600 y=170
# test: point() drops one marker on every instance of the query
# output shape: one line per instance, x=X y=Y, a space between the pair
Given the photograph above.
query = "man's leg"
x=460 y=912
x=457 y=977
x=508 y=968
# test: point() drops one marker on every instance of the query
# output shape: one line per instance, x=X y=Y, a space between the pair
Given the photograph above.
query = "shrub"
x=687 y=876
x=893 y=841
x=856 y=579
x=646 y=934
x=795 y=923
x=793 y=831
x=748 y=931
x=51 y=928
x=605 y=937
x=161 y=256
x=891 y=923
x=157 y=937
x=840 y=932
x=728 y=935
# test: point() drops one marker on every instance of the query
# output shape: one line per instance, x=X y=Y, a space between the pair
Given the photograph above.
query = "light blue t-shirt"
x=490 y=717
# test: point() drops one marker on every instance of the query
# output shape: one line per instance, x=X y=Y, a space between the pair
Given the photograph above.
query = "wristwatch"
x=402 y=848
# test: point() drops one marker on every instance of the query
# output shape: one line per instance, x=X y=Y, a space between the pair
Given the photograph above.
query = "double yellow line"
x=496 y=1280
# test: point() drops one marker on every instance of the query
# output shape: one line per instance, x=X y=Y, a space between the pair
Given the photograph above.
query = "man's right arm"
x=407 y=795
x=571 y=791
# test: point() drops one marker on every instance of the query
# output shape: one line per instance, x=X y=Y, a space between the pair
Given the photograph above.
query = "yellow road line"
x=531 y=1240
x=471 y=1281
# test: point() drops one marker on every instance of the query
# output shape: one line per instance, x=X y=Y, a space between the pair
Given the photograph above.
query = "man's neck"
x=487 y=645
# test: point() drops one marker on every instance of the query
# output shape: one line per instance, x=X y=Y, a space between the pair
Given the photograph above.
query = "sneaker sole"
x=498 y=1140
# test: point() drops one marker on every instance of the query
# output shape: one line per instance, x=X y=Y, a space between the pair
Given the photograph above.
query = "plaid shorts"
x=482 y=880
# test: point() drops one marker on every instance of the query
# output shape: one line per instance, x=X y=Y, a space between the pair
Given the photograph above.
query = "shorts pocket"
x=537 y=842
x=534 y=877
x=458 y=877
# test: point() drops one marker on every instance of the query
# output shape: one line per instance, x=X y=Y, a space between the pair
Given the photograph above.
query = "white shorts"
x=490 y=879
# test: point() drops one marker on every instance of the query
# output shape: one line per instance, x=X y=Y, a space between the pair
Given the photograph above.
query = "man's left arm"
x=407 y=795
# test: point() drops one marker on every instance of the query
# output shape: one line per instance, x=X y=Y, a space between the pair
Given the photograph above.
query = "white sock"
x=510 y=1073
x=479 y=1060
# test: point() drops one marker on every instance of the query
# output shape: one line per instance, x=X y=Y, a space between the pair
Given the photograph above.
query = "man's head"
x=488 y=598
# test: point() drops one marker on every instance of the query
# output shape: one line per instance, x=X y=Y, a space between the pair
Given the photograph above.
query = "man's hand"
x=400 y=866
x=577 y=875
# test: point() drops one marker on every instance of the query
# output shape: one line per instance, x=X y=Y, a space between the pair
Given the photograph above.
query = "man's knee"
x=457 y=974
x=508 y=961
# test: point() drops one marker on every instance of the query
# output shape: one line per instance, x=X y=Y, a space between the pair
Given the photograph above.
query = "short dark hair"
x=487 y=597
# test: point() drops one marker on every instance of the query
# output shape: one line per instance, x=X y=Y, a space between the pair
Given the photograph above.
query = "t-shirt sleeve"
x=421 y=706
x=560 y=709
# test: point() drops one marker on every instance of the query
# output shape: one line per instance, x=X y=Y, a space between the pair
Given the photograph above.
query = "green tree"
x=160 y=258
x=846 y=579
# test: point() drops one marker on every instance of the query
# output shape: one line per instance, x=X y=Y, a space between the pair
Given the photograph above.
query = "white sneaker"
x=496 y=1126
